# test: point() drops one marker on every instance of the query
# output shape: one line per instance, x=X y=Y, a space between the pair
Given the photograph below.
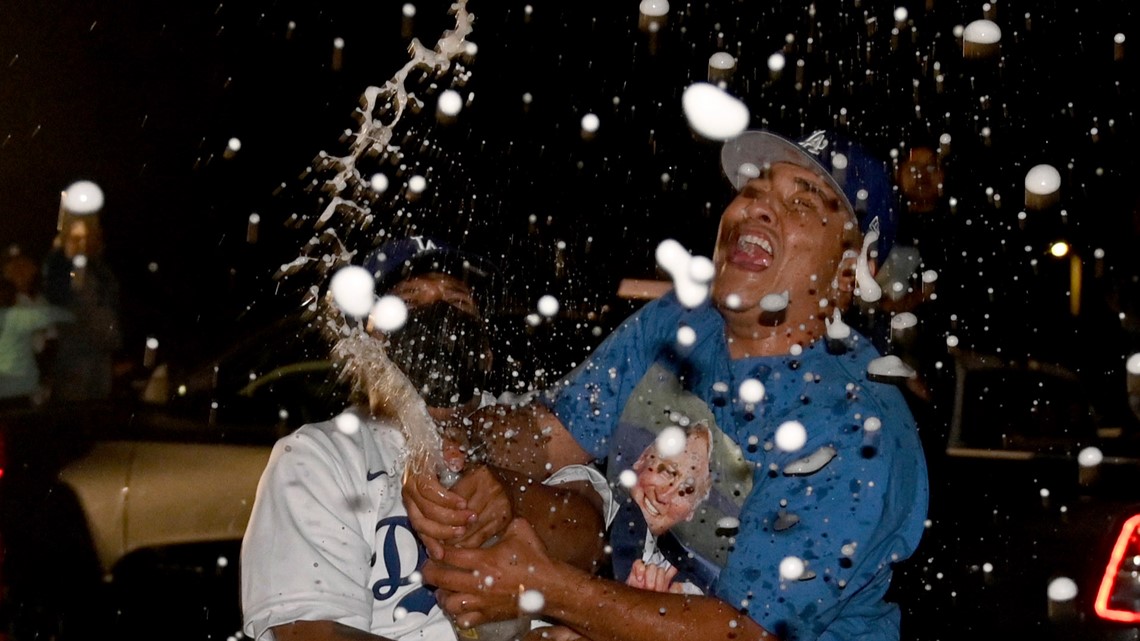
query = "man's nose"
x=667 y=492
x=762 y=206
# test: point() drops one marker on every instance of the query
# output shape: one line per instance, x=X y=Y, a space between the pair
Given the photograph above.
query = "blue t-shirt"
x=848 y=503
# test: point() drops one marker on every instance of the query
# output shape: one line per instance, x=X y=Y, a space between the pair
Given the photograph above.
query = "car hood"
x=139 y=495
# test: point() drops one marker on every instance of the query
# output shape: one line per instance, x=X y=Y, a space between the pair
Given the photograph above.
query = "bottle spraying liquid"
x=389 y=389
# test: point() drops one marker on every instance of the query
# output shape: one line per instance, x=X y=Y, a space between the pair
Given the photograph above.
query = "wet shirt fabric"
x=329 y=537
x=848 y=503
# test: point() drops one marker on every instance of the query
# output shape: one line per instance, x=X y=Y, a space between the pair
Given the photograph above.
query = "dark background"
x=143 y=97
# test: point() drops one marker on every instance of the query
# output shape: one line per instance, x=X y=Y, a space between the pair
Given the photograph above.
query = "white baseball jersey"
x=329 y=537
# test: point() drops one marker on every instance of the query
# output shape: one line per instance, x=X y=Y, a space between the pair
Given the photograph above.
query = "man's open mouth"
x=752 y=252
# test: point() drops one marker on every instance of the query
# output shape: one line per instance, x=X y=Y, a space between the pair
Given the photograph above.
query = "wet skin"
x=425 y=289
x=785 y=231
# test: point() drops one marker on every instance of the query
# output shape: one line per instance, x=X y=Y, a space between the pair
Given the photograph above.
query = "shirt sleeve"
x=847 y=505
x=304 y=556
x=590 y=399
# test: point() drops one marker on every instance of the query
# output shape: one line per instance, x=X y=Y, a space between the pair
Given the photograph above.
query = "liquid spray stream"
x=374 y=137
x=364 y=357
x=391 y=393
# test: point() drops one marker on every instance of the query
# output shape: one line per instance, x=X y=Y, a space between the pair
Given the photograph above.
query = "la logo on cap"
x=815 y=143
x=424 y=244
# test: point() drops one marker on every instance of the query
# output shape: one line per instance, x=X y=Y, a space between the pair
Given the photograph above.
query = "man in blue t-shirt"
x=819 y=478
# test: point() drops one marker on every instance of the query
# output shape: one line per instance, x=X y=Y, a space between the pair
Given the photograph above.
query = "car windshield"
x=247 y=393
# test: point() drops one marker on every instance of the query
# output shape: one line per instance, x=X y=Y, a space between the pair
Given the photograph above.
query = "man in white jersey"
x=329 y=552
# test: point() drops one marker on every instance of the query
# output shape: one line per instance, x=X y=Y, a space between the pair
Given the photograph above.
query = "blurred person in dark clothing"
x=78 y=279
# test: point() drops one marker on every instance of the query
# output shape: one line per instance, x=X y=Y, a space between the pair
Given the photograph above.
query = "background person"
x=20 y=326
x=78 y=279
x=24 y=272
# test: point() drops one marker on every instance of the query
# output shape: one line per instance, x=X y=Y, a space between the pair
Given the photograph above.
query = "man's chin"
x=736 y=298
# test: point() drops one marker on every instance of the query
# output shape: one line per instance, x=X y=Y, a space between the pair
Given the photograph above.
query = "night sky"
x=143 y=97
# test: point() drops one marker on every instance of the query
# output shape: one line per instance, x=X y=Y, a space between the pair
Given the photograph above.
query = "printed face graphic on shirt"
x=669 y=489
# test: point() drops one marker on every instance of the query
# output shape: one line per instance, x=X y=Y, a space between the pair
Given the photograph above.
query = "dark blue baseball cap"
x=862 y=181
x=403 y=258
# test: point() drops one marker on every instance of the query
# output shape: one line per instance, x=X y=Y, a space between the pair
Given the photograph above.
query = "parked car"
x=1035 y=509
x=123 y=519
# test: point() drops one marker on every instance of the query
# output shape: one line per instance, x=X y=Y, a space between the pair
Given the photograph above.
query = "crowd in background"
x=60 y=330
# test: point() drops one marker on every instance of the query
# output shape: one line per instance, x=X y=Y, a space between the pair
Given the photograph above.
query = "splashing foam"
x=836 y=328
x=374 y=136
x=367 y=362
x=362 y=355
x=691 y=274
x=869 y=290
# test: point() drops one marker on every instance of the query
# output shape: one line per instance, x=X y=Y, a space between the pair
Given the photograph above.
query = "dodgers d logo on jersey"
x=401 y=555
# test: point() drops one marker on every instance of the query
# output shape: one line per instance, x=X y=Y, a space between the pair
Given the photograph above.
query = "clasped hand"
x=475 y=584
x=484 y=584
x=475 y=510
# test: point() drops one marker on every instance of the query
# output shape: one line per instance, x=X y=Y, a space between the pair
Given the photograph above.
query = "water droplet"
x=791 y=436
x=654 y=8
x=1062 y=589
x=714 y=113
x=83 y=197
x=1090 y=457
x=531 y=601
x=671 y=441
x=352 y=290
x=347 y=423
x=751 y=391
x=389 y=314
x=791 y=568
x=548 y=306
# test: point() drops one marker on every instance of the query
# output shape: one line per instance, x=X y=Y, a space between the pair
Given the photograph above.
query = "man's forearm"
x=567 y=518
x=529 y=440
x=322 y=631
x=605 y=610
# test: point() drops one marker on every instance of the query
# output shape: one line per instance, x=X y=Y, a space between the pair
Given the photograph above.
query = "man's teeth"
x=649 y=508
x=756 y=240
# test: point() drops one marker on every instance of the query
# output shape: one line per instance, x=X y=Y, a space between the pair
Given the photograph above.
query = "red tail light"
x=1119 y=596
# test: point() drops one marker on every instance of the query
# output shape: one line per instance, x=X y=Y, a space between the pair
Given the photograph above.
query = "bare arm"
x=598 y=608
x=607 y=610
x=528 y=441
x=322 y=631
x=567 y=518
